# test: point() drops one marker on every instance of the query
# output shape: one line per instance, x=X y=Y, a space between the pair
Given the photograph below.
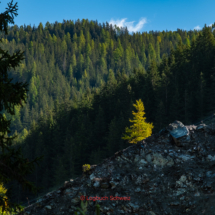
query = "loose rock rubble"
x=172 y=172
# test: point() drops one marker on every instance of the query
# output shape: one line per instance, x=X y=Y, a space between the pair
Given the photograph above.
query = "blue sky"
x=137 y=15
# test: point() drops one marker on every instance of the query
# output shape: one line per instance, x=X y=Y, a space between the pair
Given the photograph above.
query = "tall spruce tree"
x=12 y=164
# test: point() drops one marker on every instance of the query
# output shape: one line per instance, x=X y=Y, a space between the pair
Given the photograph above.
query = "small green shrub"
x=83 y=209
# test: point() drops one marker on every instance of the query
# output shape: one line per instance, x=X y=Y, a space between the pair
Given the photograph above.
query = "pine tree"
x=70 y=73
x=161 y=116
x=12 y=164
x=140 y=129
x=158 y=52
x=187 y=42
x=111 y=77
x=112 y=138
x=60 y=171
x=152 y=53
x=152 y=85
x=127 y=61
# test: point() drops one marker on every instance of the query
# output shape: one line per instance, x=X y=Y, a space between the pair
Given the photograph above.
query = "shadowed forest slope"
x=180 y=87
x=63 y=61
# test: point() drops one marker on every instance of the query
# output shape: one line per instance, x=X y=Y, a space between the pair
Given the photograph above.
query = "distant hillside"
x=181 y=87
x=65 y=60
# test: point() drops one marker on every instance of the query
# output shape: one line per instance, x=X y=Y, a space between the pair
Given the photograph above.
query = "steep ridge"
x=171 y=172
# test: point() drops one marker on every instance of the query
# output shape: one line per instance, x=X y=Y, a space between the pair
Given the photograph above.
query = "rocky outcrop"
x=172 y=172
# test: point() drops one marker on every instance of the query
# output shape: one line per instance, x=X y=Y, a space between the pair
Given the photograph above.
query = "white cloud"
x=129 y=25
x=197 y=27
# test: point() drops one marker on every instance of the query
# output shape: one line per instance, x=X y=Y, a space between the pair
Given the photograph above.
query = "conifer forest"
x=84 y=78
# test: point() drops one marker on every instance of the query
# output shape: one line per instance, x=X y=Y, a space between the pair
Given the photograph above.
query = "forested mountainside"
x=180 y=87
x=63 y=61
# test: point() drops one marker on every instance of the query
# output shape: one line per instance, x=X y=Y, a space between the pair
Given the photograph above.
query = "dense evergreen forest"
x=83 y=80
x=65 y=60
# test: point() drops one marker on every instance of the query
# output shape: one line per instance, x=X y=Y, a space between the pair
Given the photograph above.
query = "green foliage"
x=92 y=80
x=140 y=129
x=111 y=77
x=159 y=39
x=152 y=53
x=97 y=212
x=55 y=70
x=23 y=134
x=12 y=166
x=60 y=171
x=33 y=90
x=169 y=91
x=64 y=46
x=83 y=209
x=117 y=55
x=54 y=39
x=187 y=42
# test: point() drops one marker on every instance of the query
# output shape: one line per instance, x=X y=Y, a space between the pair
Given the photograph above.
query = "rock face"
x=172 y=172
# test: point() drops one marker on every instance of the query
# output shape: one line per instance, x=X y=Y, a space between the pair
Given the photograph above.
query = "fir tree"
x=12 y=164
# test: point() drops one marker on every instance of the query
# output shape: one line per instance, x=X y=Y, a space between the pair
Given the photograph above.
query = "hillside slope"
x=171 y=172
x=181 y=87
x=63 y=61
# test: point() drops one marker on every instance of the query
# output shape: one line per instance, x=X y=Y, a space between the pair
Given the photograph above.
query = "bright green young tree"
x=140 y=129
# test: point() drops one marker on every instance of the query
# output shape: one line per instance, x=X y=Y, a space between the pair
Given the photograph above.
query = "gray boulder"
x=179 y=133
